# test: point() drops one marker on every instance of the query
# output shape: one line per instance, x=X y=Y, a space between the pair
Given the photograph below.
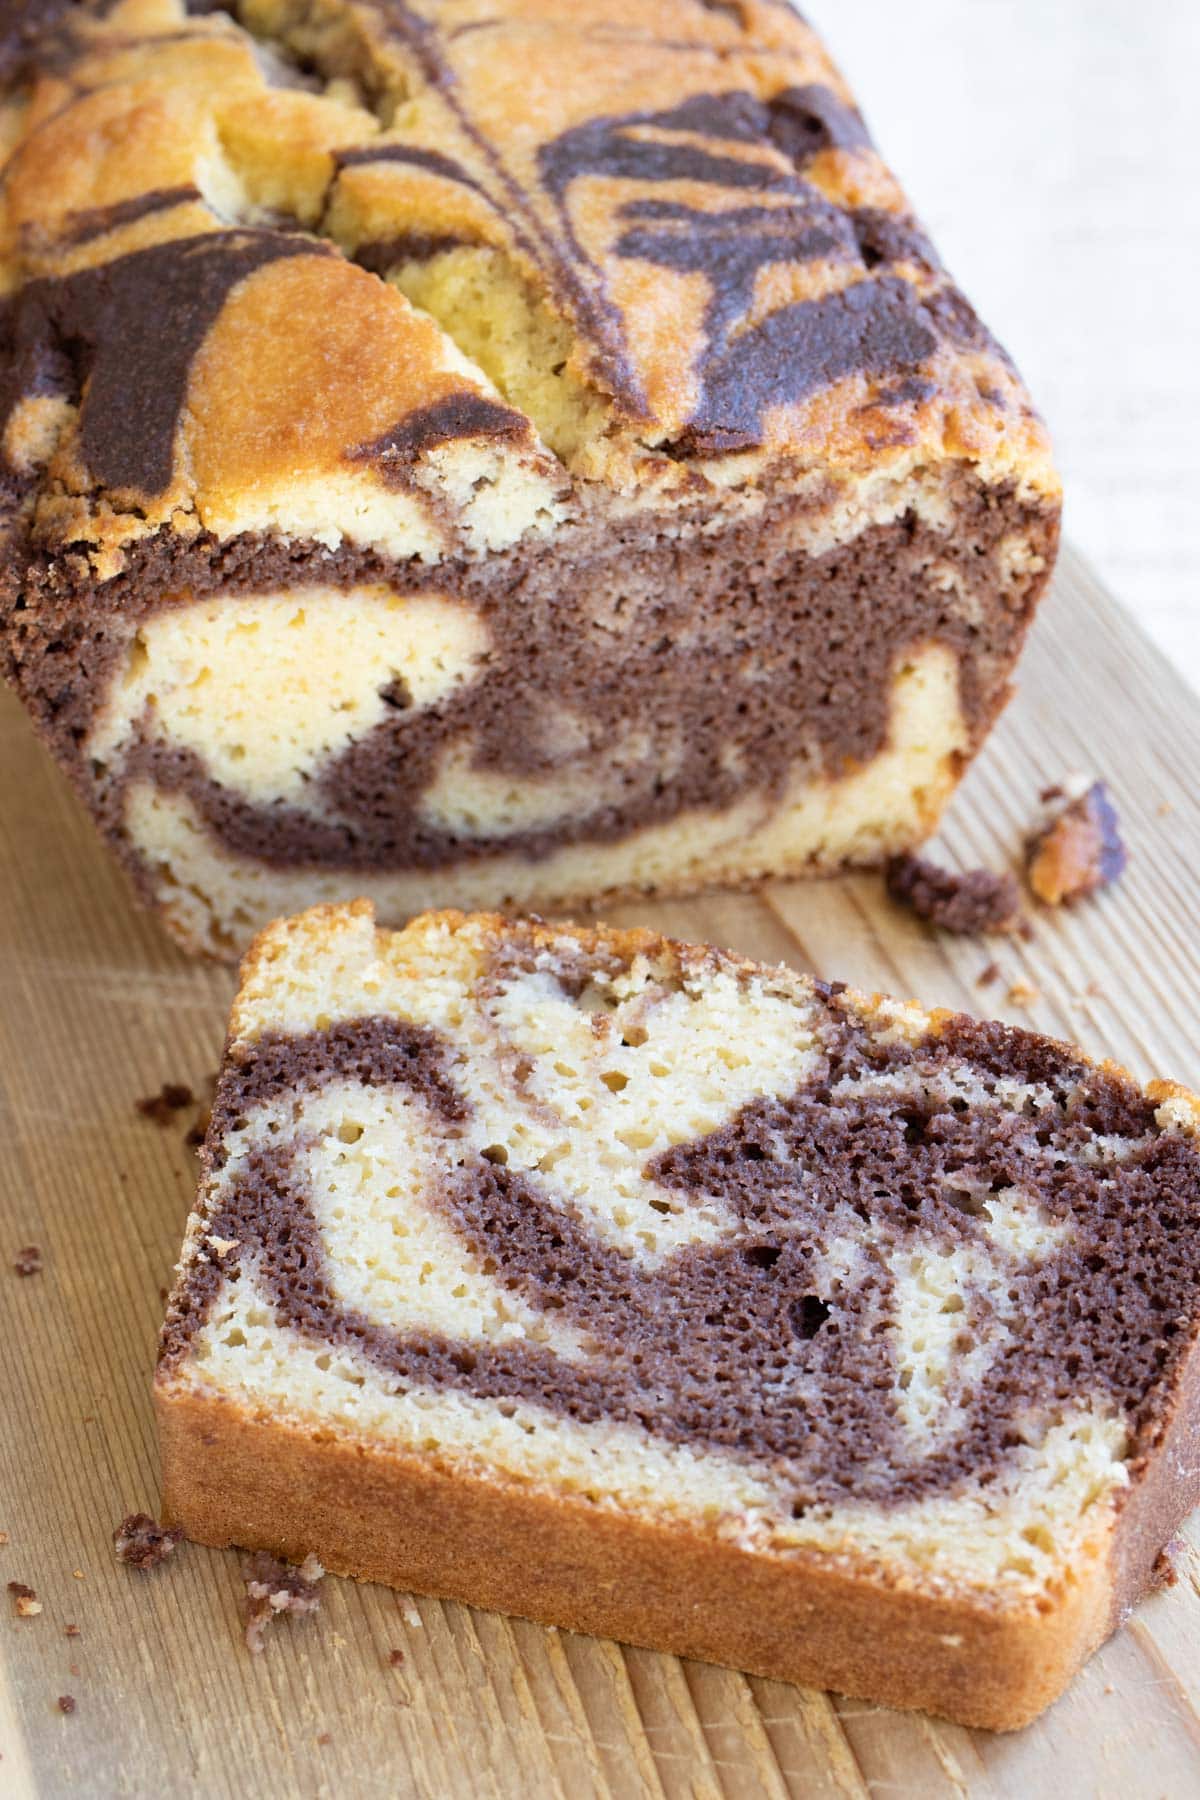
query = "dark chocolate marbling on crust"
x=746 y=1345
x=123 y=335
x=872 y=327
x=460 y=415
x=93 y=221
x=32 y=32
x=731 y=141
x=381 y=256
x=876 y=327
x=139 y=321
x=433 y=162
x=869 y=328
x=119 y=340
x=799 y=122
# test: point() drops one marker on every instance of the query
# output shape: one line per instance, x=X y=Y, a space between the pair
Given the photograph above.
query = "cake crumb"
x=71 y=1631
x=1023 y=993
x=325 y=1738
x=1078 y=850
x=274 y=1587
x=66 y=1703
x=196 y=1133
x=78 y=1574
x=26 y=1604
x=1164 y=809
x=142 y=1542
x=28 y=1261
x=171 y=1098
x=976 y=902
x=3 y=1537
x=412 y=1618
x=1165 y=1570
x=395 y=1658
x=989 y=973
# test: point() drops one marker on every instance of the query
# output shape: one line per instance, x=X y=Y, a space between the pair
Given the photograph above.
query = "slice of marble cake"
x=650 y=1292
x=500 y=452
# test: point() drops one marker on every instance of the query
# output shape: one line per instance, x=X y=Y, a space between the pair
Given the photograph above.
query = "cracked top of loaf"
x=432 y=277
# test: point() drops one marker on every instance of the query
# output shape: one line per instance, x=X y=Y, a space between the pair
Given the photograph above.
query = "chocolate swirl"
x=120 y=339
x=750 y=1345
x=873 y=328
x=820 y=697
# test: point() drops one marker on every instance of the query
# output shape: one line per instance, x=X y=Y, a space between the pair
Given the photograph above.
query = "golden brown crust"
x=706 y=256
x=231 y=1478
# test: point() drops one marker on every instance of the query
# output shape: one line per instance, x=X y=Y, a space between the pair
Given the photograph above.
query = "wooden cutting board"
x=97 y=1009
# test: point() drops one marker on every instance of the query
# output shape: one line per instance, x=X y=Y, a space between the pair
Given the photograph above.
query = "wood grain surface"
x=97 y=1009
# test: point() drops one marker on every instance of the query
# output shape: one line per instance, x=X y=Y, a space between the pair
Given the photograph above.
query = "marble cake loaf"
x=487 y=451
x=650 y=1292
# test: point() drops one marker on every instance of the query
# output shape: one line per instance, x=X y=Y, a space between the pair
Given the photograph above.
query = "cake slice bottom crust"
x=402 y=1520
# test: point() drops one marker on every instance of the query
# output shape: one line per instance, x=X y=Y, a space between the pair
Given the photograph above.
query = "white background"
x=1052 y=147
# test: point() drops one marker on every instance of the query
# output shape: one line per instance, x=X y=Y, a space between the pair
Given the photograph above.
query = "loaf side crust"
x=230 y=1478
